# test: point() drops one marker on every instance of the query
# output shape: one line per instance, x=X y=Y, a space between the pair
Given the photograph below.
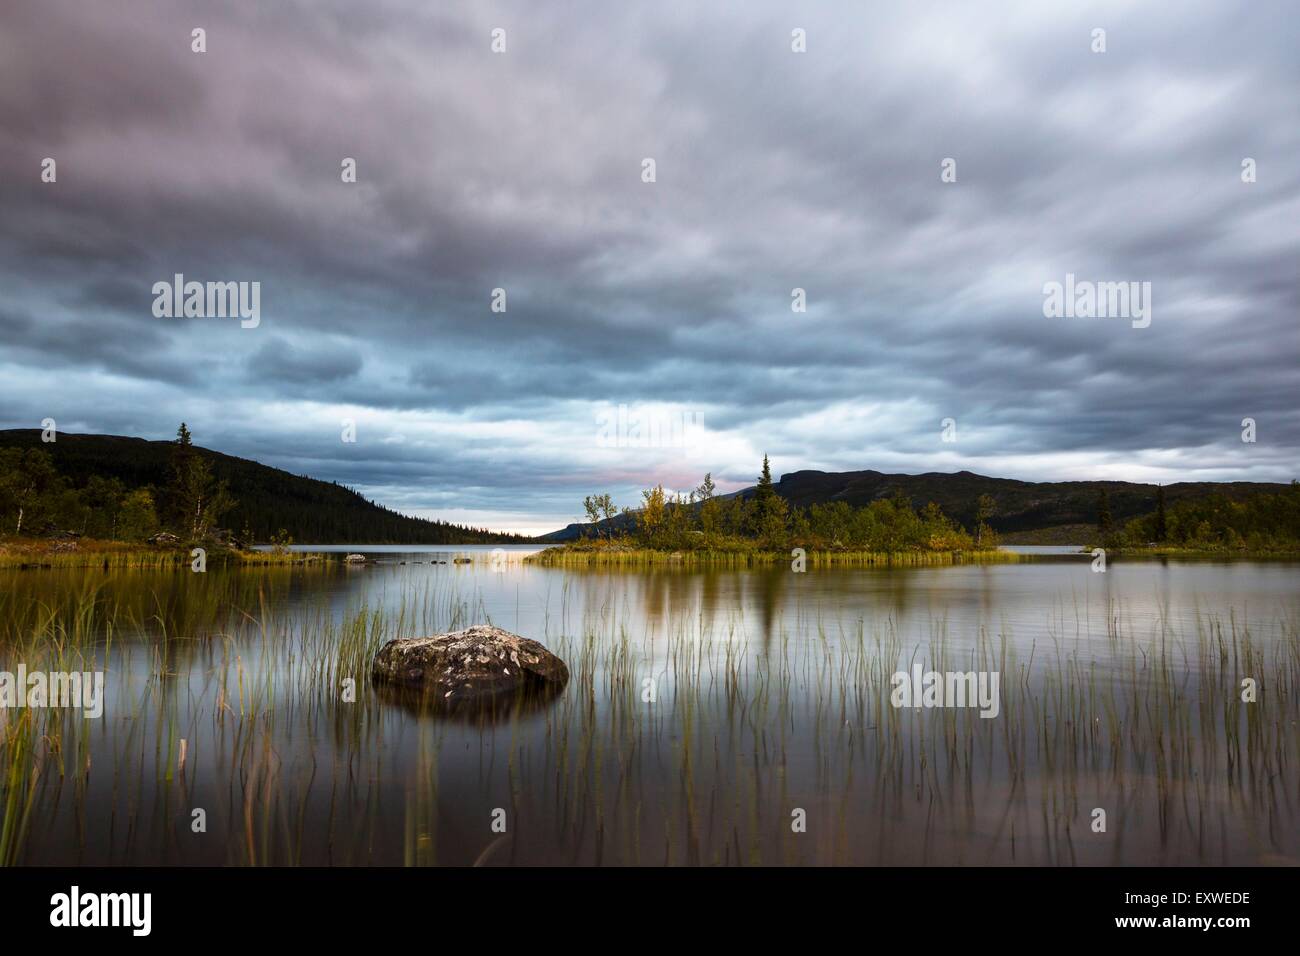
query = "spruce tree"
x=1162 y=521
x=757 y=507
x=764 y=491
x=198 y=499
x=984 y=509
x=1104 y=522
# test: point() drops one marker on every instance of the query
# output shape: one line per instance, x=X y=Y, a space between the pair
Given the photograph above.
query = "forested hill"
x=1063 y=512
x=268 y=500
x=1021 y=506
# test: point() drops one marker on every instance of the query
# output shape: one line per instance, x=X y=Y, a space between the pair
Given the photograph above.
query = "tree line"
x=36 y=499
x=704 y=520
x=1261 y=522
x=127 y=492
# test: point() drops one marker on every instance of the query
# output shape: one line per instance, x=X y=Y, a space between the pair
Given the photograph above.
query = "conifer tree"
x=1104 y=521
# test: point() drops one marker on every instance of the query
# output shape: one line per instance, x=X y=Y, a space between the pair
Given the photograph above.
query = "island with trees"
x=760 y=526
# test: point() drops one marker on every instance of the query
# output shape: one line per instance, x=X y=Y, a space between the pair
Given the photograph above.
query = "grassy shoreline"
x=615 y=555
x=1173 y=551
x=38 y=553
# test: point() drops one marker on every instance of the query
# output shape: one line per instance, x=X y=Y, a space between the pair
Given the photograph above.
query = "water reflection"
x=703 y=705
x=528 y=701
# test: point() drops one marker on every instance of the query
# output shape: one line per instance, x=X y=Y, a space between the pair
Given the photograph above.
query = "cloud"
x=775 y=170
x=281 y=362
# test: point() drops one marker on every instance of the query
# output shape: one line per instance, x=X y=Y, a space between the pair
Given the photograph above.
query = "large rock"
x=478 y=665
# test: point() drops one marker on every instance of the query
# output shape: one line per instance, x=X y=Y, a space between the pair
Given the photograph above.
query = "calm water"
x=1119 y=691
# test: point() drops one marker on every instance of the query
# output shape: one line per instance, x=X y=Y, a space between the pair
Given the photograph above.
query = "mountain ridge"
x=268 y=499
x=1024 y=509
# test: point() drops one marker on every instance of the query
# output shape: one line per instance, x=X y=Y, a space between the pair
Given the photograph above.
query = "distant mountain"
x=1046 y=511
x=572 y=532
x=268 y=499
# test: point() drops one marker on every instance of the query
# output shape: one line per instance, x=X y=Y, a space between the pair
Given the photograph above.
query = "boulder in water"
x=479 y=664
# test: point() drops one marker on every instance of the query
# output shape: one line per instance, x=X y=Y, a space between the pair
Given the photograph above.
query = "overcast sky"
x=774 y=170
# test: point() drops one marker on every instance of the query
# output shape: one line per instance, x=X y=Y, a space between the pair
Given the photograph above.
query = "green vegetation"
x=1066 y=534
x=1022 y=507
x=196 y=499
x=1105 y=523
x=37 y=499
x=1215 y=524
x=599 y=508
x=26 y=553
x=985 y=508
x=110 y=488
x=763 y=527
x=600 y=553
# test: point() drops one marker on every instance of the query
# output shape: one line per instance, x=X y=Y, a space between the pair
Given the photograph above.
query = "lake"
x=712 y=717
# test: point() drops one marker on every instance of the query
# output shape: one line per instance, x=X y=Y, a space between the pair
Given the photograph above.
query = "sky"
x=921 y=171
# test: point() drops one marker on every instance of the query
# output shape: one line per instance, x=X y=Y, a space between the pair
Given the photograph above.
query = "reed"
x=680 y=740
x=117 y=556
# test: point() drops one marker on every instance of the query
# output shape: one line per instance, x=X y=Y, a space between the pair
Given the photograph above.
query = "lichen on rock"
x=477 y=665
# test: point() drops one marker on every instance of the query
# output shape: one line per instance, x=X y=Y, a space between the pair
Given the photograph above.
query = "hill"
x=267 y=499
x=1027 y=511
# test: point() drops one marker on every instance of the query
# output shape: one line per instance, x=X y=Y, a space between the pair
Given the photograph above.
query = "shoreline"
x=26 y=554
x=614 y=556
x=47 y=554
x=1244 y=554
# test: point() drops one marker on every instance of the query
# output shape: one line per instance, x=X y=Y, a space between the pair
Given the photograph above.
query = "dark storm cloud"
x=280 y=361
x=775 y=170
